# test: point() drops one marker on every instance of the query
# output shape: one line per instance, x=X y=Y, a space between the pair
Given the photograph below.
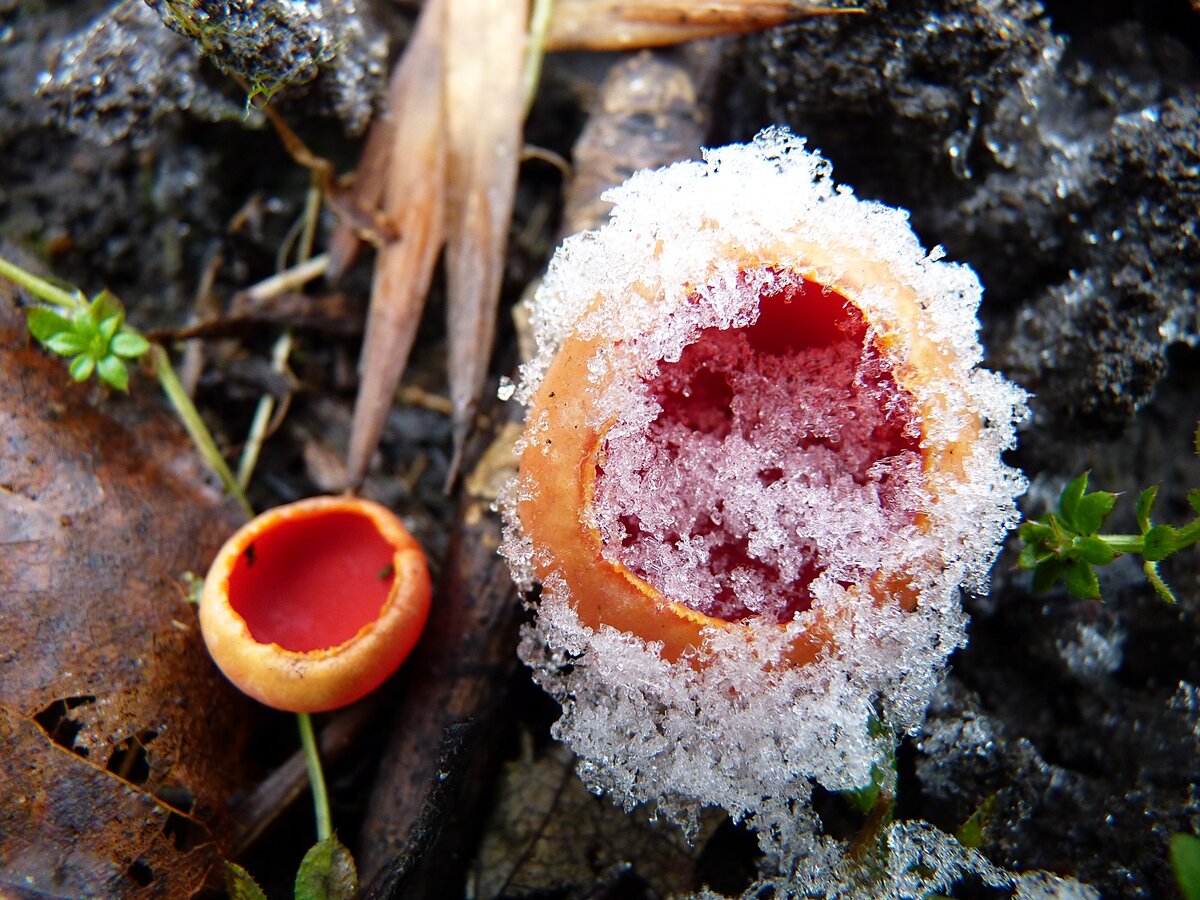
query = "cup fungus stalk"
x=760 y=461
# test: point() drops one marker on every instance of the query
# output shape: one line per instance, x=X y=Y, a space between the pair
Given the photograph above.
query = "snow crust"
x=817 y=495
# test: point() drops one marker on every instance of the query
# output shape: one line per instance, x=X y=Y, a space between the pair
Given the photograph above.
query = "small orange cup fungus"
x=312 y=605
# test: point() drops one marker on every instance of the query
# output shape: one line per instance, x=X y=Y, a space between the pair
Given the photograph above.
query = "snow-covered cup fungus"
x=312 y=605
x=759 y=463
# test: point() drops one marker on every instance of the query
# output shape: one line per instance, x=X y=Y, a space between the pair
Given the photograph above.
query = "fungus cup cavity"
x=759 y=463
x=312 y=605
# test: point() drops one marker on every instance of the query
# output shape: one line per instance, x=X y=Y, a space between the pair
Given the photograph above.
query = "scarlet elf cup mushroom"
x=760 y=460
x=312 y=605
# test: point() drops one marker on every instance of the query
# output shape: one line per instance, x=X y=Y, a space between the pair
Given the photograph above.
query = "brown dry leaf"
x=121 y=741
x=458 y=90
x=414 y=203
x=634 y=24
x=484 y=112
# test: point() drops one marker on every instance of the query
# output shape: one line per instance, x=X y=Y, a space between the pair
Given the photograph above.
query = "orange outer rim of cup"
x=324 y=679
x=563 y=454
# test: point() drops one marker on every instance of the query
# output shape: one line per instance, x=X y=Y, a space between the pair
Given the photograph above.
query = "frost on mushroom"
x=759 y=464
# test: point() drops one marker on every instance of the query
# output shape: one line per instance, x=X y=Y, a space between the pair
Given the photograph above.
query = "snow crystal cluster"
x=834 y=470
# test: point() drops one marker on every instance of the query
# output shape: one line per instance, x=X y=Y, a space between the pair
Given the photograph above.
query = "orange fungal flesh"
x=313 y=583
x=802 y=391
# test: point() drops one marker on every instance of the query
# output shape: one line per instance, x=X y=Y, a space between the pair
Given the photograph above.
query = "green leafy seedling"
x=1067 y=545
x=94 y=335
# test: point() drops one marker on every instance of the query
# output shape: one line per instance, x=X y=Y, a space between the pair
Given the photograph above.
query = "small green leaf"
x=973 y=831
x=1033 y=532
x=1161 y=542
x=1081 y=581
x=109 y=327
x=1185 y=860
x=863 y=798
x=45 y=323
x=81 y=367
x=327 y=872
x=1156 y=581
x=1068 y=501
x=129 y=344
x=84 y=325
x=104 y=305
x=1047 y=573
x=1030 y=556
x=66 y=343
x=1093 y=509
x=239 y=884
x=113 y=373
x=1193 y=497
x=1145 y=502
x=1096 y=551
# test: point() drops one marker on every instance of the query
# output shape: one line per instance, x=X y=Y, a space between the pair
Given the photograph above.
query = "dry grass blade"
x=630 y=24
x=413 y=202
x=485 y=48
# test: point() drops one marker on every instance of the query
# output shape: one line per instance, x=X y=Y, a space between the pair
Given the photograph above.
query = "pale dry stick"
x=313 y=201
x=414 y=202
x=265 y=410
x=540 y=15
x=635 y=24
x=262 y=414
x=484 y=111
x=287 y=280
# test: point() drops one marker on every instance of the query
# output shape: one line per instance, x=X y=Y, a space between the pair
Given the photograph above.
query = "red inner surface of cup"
x=799 y=324
x=312 y=583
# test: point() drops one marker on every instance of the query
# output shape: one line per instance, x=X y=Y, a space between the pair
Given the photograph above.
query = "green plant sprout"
x=327 y=872
x=94 y=334
x=1066 y=544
